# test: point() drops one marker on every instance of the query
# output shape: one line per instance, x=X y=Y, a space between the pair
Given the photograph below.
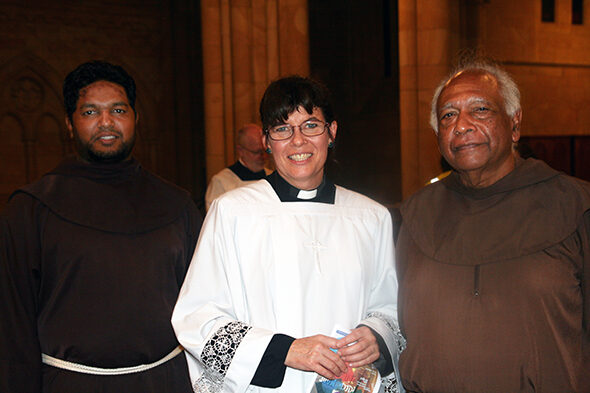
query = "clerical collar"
x=244 y=173
x=325 y=193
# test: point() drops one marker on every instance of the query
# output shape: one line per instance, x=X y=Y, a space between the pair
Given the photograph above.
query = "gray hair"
x=508 y=88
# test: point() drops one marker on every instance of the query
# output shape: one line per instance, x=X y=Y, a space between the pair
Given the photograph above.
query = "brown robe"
x=495 y=285
x=92 y=258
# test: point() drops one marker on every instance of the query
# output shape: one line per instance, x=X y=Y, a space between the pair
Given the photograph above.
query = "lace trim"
x=217 y=356
x=208 y=383
x=390 y=384
x=399 y=338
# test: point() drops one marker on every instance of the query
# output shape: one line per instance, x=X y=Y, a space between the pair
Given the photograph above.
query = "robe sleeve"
x=585 y=283
x=222 y=350
x=194 y=224
x=586 y=276
x=271 y=370
x=20 y=353
x=382 y=314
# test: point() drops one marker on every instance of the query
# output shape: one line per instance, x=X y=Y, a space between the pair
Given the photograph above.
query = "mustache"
x=107 y=129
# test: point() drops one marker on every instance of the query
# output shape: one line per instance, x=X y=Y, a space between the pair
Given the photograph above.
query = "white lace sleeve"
x=389 y=330
x=217 y=355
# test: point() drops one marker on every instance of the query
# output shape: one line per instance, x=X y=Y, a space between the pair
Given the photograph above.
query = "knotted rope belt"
x=63 y=364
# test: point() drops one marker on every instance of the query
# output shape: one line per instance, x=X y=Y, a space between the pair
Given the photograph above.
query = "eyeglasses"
x=286 y=131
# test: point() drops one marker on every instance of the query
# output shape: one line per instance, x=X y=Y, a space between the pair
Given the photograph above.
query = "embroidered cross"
x=317 y=247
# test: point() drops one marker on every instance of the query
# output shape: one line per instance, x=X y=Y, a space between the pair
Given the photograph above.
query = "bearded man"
x=92 y=258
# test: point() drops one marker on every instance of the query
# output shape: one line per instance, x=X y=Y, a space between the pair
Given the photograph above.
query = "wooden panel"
x=555 y=151
x=582 y=157
x=570 y=154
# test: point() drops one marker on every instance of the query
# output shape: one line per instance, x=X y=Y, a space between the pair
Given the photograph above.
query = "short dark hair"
x=283 y=96
x=93 y=71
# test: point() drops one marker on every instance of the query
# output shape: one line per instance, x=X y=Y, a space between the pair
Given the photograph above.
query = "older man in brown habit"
x=494 y=260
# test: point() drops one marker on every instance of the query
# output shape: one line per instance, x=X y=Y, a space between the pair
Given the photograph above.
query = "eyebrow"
x=284 y=123
x=470 y=101
x=478 y=100
x=446 y=106
x=91 y=105
x=309 y=119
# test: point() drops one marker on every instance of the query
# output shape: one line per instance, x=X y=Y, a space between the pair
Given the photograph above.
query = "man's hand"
x=359 y=347
x=313 y=354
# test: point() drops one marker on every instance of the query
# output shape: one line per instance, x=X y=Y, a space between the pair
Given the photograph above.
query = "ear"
x=136 y=118
x=239 y=151
x=332 y=131
x=515 y=122
x=70 y=127
x=265 y=141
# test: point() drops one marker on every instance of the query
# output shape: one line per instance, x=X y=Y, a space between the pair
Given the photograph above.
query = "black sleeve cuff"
x=271 y=369
x=384 y=364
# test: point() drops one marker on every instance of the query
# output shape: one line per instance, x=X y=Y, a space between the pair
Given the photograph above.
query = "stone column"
x=246 y=44
x=429 y=39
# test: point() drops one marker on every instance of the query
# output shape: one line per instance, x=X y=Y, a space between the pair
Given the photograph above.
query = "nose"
x=298 y=138
x=105 y=120
x=462 y=124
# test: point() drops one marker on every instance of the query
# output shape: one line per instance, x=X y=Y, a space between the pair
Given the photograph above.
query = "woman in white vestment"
x=283 y=262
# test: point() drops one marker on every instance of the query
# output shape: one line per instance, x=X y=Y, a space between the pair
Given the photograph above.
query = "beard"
x=87 y=151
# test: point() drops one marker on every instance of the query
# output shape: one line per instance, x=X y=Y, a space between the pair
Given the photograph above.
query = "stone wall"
x=549 y=60
x=429 y=37
x=40 y=42
x=246 y=45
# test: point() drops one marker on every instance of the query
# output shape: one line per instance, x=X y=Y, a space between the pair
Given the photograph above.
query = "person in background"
x=493 y=261
x=284 y=261
x=92 y=257
x=248 y=168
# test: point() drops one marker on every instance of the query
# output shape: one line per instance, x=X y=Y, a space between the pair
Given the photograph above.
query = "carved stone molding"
x=31 y=107
x=26 y=93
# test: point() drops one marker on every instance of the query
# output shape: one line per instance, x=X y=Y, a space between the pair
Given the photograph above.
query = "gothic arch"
x=30 y=90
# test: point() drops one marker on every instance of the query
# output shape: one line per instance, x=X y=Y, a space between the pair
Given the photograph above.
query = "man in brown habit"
x=493 y=261
x=92 y=257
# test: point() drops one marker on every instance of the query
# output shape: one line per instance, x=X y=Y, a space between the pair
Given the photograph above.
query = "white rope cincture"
x=63 y=364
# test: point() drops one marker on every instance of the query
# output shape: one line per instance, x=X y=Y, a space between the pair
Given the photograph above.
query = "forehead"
x=470 y=86
x=252 y=131
x=101 y=90
x=252 y=137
